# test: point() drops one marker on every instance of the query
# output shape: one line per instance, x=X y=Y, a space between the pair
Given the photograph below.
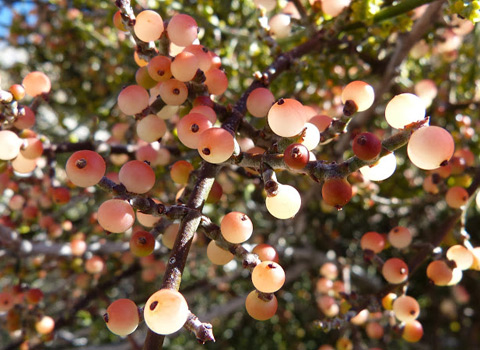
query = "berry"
x=236 y=227
x=412 y=331
x=430 y=147
x=184 y=66
x=216 y=81
x=85 y=168
x=45 y=325
x=439 y=272
x=137 y=176
x=133 y=99
x=159 y=68
x=287 y=117
x=166 y=311
x=180 y=171
x=148 y=26
x=182 y=30
x=173 y=92
x=10 y=145
x=142 y=243
x=296 y=156
x=336 y=192
x=395 y=271
x=366 y=146
x=218 y=255
x=400 y=237
x=456 y=197
x=215 y=145
x=115 y=215
x=36 y=83
x=404 y=109
x=406 y=308
x=268 y=277
x=259 y=102
x=259 y=309
x=266 y=252
x=373 y=241
x=285 y=204
x=190 y=127
x=462 y=256
x=360 y=93
x=122 y=317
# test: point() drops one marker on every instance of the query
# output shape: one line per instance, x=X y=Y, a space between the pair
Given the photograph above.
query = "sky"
x=6 y=14
x=8 y=54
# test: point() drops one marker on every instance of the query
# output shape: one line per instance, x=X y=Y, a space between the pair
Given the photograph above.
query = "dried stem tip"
x=81 y=163
x=194 y=128
x=153 y=305
x=271 y=187
x=350 y=108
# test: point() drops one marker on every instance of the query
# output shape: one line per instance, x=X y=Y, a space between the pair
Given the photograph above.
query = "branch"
x=183 y=242
x=145 y=50
x=11 y=107
x=400 y=8
x=212 y=231
x=203 y=331
x=191 y=221
x=282 y=63
x=144 y=204
x=11 y=241
x=102 y=147
x=231 y=122
x=303 y=15
x=318 y=170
